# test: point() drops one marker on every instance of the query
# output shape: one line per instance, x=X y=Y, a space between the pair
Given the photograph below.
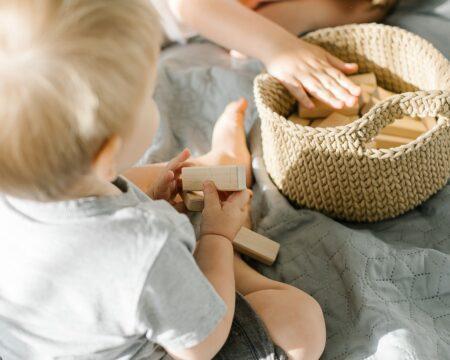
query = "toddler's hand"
x=168 y=184
x=303 y=67
x=224 y=218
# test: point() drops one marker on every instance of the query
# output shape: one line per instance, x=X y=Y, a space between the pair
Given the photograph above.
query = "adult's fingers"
x=211 y=196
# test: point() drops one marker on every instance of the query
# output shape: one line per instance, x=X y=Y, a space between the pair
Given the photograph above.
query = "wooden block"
x=366 y=108
x=194 y=200
x=322 y=110
x=389 y=141
x=226 y=177
x=406 y=127
x=256 y=246
x=335 y=119
x=429 y=122
x=364 y=79
x=299 y=121
x=383 y=94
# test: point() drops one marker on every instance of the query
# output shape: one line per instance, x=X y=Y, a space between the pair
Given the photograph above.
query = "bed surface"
x=385 y=287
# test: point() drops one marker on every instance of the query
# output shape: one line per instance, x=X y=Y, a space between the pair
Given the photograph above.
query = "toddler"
x=94 y=265
x=268 y=29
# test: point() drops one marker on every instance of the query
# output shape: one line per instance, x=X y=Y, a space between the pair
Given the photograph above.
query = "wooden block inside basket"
x=406 y=127
x=225 y=177
x=364 y=79
x=193 y=200
x=383 y=94
x=333 y=120
x=389 y=141
x=322 y=110
x=298 y=120
x=369 y=105
x=429 y=122
x=256 y=246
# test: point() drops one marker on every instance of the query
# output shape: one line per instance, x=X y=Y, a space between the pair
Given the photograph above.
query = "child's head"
x=76 y=77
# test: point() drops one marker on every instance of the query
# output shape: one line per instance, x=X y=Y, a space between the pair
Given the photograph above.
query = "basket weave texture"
x=330 y=169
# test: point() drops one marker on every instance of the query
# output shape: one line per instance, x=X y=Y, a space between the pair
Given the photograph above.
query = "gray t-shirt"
x=100 y=278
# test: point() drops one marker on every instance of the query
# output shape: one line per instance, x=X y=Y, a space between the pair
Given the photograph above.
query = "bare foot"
x=229 y=144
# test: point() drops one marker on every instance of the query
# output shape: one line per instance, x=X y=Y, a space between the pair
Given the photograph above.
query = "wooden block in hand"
x=389 y=141
x=429 y=122
x=298 y=120
x=335 y=119
x=256 y=246
x=322 y=110
x=368 y=79
x=406 y=127
x=193 y=200
x=225 y=177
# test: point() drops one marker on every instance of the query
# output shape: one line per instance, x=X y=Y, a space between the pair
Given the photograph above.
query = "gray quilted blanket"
x=385 y=287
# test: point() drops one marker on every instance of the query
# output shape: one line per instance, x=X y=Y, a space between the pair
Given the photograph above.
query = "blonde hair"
x=72 y=73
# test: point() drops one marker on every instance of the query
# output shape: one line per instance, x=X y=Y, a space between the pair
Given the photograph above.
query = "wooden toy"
x=335 y=119
x=389 y=141
x=225 y=177
x=429 y=122
x=406 y=127
x=367 y=79
x=322 y=110
x=297 y=120
x=369 y=105
x=194 y=200
x=256 y=246
x=383 y=94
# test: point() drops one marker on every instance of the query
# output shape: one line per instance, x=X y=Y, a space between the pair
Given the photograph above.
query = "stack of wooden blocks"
x=400 y=132
x=227 y=178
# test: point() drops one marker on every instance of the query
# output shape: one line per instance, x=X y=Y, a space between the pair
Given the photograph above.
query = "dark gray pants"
x=248 y=339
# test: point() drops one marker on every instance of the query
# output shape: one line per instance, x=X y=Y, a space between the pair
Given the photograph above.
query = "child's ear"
x=104 y=164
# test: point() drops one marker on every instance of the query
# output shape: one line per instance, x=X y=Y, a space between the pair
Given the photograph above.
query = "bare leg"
x=298 y=16
x=229 y=144
x=293 y=319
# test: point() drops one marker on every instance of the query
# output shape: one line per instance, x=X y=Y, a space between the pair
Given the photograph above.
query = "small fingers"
x=332 y=85
x=317 y=89
x=346 y=68
x=180 y=158
x=240 y=198
x=211 y=196
x=344 y=81
x=238 y=106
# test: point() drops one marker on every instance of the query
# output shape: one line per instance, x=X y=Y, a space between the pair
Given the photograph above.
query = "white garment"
x=174 y=30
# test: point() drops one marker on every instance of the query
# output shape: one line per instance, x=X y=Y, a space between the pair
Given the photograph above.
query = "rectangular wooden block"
x=429 y=122
x=225 y=177
x=406 y=127
x=335 y=119
x=322 y=110
x=256 y=246
x=298 y=120
x=369 y=105
x=389 y=141
x=383 y=94
x=194 y=200
x=364 y=79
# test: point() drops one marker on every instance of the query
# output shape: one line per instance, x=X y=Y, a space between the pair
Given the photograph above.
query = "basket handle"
x=419 y=103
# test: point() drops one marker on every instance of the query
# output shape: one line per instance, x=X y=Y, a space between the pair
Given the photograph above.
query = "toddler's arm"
x=298 y=65
x=214 y=255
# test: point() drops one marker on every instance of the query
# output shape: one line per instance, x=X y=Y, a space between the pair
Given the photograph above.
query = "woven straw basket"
x=330 y=169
